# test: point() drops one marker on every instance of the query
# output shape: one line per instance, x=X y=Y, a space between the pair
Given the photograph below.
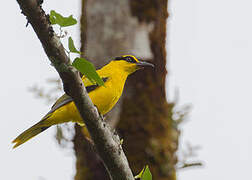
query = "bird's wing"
x=65 y=99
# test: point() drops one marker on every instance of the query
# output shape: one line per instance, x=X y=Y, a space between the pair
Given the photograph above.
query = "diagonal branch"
x=107 y=143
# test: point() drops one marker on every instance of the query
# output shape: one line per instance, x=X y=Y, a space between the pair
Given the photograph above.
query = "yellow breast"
x=103 y=97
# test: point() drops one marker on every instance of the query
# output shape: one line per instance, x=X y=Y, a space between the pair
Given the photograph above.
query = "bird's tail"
x=30 y=133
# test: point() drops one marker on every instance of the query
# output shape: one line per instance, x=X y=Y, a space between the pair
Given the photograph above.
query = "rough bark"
x=111 y=28
x=146 y=123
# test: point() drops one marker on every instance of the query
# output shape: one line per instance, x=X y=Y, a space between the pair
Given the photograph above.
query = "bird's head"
x=130 y=63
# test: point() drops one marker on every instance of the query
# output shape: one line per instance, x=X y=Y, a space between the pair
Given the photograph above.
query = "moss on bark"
x=146 y=124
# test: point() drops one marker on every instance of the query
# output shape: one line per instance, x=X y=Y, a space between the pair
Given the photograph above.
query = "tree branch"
x=107 y=143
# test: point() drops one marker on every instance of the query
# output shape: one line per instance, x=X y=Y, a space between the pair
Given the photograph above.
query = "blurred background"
x=208 y=60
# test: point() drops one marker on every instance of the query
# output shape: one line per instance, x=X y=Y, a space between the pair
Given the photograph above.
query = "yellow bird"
x=104 y=97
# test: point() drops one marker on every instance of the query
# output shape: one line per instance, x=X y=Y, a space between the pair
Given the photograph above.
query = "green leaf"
x=72 y=47
x=57 y=18
x=145 y=174
x=121 y=142
x=88 y=69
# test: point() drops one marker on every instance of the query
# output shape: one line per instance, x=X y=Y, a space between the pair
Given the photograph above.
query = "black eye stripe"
x=126 y=58
x=118 y=58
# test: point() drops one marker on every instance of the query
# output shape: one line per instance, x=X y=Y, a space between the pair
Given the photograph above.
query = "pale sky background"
x=209 y=52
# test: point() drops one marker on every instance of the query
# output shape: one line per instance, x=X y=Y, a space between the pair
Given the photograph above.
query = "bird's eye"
x=130 y=59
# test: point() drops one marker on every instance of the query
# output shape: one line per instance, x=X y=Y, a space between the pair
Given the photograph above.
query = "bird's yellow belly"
x=104 y=98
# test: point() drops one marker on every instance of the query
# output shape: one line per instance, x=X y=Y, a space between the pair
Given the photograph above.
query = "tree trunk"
x=112 y=28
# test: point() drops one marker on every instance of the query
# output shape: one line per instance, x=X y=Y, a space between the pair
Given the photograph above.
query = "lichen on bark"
x=146 y=121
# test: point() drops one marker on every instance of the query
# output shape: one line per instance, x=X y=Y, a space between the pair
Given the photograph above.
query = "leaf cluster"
x=80 y=63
